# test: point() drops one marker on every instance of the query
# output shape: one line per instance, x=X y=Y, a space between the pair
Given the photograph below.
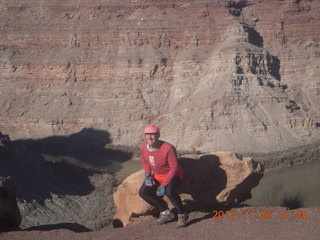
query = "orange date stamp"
x=263 y=214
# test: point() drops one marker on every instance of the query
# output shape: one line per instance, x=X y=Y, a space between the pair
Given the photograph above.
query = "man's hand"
x=149 y=181
x=161 y=191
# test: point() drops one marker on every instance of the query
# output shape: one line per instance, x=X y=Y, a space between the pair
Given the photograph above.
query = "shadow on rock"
x=75 y=227
x=206 y=215
x=201 y=176
x=10 y=216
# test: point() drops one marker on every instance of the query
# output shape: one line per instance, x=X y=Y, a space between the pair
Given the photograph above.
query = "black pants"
x=149 y=195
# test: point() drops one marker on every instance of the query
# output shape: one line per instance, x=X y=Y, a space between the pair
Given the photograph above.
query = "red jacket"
x=162 y=161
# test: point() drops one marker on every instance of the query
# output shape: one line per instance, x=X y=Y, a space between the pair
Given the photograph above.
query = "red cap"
x=151 y=129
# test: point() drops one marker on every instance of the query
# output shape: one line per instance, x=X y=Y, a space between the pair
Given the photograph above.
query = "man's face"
x=152 y=139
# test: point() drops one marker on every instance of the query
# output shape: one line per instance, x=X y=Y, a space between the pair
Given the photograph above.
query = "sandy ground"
x=240 y=223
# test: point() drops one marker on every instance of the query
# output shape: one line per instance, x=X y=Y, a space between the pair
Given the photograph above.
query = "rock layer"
x=212 y=180
x=234 y=75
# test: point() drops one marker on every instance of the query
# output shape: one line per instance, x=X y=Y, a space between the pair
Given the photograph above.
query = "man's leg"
x=149 y=195
x=171 y=192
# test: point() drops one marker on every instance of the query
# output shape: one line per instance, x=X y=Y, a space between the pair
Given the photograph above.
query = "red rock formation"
x=231 y=75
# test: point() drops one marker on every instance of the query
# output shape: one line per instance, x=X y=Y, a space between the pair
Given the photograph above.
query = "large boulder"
x=9 y=211
x=213 y=180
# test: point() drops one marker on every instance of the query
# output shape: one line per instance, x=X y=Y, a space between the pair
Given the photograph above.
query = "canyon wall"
x=239 y=76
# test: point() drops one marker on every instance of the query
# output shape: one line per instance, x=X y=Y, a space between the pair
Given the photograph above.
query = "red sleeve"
x=173 y=166
x=144 y=161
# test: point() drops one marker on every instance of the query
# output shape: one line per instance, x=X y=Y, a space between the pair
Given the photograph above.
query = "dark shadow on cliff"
x=254 y=37
x=273 y=62
x=235 y=7
x=60 y=165
x=274 y=67
x=85 y=148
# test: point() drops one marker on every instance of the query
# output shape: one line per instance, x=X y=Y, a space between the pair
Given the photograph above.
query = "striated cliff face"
x=214 y=75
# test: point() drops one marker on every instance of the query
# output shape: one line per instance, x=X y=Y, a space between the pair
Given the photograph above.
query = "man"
x=163 y=176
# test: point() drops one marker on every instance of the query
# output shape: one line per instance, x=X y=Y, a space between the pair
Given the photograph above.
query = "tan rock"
x=127 y=200
x=211 y=180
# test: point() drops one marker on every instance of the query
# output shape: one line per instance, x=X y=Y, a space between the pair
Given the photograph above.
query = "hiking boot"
x=182 y=220
x=164 y=218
